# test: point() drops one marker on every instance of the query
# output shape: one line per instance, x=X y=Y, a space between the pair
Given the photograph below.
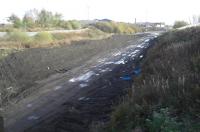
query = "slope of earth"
x=166 y=96
x=79 y=95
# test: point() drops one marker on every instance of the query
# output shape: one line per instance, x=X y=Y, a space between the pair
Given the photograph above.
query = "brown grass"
x=58 y=39
x=169 y=83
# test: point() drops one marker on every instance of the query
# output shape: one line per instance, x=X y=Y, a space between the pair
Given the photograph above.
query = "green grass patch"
x=43 y=37
x=18 y=36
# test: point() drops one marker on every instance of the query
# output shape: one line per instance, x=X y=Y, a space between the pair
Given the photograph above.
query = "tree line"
x=43 y=19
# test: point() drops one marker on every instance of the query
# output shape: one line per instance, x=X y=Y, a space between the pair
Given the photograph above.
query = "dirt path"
x=72 y=100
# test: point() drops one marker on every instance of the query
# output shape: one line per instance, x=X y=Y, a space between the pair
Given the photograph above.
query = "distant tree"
x=28 y=21
x=75 y=24
x=57 y=18
x=48 y=19
x=66 y=25
x=33 y=14
x=179 y=24
x=17 y=23
x=45 y=18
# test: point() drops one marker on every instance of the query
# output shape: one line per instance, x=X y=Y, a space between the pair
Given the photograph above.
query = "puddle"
x=102 y=60
x=104 y=70
x=84 y=77
x=83 y=98
x=57 y=88
x=120 y=62
x=126 y=78
x=141 y=56
x=140 y=46
x=97 y=74
x=29 y=105
x=117 y=53
x=82 y=85
x=108 y=63
x=33 y=117
x=147 y=40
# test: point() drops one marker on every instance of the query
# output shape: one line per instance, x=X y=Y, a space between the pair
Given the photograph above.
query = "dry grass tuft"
x=166 y=97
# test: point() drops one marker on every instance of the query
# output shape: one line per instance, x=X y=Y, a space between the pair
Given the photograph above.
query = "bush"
x=66 y=25
x=43 y=37
x=161 y=121
x=116 y=27
x=18 y=36
x=75 y=24
x=179 y=24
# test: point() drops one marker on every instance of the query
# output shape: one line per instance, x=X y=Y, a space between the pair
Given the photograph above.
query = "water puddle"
x=82 y=85
x=120 y=62
x=33 y=117
x=84 y=77
x=57 y=88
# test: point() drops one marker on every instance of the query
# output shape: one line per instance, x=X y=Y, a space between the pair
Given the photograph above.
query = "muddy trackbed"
x=70 y=99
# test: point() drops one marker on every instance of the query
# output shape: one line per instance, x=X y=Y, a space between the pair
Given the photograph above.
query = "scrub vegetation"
x=35 y=20
x=17 y=40
x=166 y=96
x=117 y=27
x=43 y=21
x=179 y=24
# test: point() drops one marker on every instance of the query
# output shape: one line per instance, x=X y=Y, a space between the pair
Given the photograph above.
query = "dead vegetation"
x=20 y=40
x=166 y=97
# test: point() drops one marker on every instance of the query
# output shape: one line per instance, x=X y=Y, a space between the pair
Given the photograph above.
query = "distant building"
x=104 y=20
x=152 y=25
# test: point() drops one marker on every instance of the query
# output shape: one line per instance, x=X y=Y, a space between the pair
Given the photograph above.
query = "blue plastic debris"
x=126 y=78
x=137 y=71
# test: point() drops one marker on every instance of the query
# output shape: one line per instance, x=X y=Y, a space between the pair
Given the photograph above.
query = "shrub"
x=179 y=24
x=43 y=37
x=161 y=121
x=116 y=27
x=66 y=25
x=18 y=36
x=75 y=24
x=105 y=26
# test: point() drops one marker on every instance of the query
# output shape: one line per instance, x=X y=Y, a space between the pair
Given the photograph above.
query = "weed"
x=43 y=37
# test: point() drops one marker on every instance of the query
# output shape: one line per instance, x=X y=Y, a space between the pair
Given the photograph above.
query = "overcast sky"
x=120 y=10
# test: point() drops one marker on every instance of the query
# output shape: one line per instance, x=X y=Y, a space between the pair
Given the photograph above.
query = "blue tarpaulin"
x=137 y=71
x=126 y=78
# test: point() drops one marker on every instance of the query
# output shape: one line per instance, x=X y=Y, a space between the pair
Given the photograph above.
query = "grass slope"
x=166 y=97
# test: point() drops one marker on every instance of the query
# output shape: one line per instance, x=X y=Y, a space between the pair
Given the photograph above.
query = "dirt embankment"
x=19 y=71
